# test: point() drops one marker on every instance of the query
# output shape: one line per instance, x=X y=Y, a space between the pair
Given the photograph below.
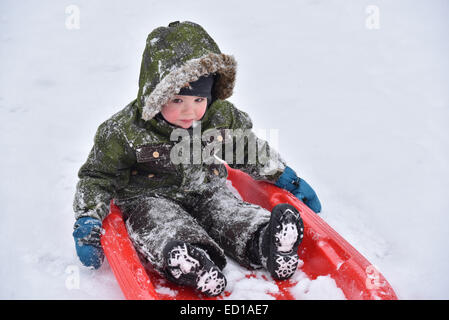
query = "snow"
x=323 y=287
x=243 y=288
x=362 y=116
x=260 y=285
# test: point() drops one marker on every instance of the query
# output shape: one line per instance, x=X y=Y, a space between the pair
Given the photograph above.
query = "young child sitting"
x=181 y=215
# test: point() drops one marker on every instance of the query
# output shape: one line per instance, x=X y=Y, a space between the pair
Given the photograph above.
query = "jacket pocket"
x=155 y=158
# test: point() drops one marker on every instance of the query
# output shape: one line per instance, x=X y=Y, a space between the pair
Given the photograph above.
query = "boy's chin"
x=185 y=125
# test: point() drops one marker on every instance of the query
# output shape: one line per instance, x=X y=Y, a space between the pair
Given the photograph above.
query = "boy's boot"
x=191 y=266
x=279 y=241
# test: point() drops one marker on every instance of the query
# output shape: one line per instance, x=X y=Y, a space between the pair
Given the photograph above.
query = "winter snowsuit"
x=130 y=161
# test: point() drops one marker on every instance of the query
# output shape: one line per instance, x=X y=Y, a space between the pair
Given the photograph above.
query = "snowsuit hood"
x=176 y=55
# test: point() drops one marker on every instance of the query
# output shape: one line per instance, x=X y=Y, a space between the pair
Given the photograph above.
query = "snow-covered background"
x=363 y=116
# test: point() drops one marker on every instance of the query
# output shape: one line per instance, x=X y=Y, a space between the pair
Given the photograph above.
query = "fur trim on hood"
x=175 y=55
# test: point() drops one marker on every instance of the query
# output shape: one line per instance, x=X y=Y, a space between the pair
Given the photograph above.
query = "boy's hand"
x=87 y=233
x=300 y=189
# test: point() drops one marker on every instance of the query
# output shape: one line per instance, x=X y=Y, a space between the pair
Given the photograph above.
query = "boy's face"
x=183 y=110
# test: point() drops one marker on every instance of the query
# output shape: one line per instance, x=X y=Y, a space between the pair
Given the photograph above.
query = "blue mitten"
x=300 y=189
x=87 y=233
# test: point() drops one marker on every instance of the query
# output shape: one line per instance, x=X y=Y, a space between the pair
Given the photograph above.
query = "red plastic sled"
x=323 y=251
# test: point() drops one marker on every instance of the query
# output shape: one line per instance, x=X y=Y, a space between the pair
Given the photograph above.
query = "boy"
x=180 y=214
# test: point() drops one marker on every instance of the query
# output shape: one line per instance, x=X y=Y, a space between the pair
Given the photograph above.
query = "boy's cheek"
x=170 y=114
x=200 y=113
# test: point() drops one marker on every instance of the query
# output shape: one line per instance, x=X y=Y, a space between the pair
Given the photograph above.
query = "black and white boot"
x=191 y=266
x=279 y=241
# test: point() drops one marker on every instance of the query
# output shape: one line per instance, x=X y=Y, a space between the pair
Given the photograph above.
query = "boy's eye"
x=177 y=100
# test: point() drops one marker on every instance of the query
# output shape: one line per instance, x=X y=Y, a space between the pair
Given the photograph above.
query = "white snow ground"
x=362 y=113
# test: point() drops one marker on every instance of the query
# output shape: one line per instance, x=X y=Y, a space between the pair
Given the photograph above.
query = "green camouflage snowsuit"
x=131 y=163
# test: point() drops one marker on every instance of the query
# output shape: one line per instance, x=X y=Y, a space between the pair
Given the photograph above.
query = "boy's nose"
x=188 y=108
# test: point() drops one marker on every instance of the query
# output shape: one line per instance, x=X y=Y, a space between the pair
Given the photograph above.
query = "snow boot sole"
x=280 y=241
x=190 y=266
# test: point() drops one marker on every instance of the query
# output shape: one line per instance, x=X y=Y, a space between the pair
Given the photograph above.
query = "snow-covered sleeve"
x=106 y=170
x=251 y=154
